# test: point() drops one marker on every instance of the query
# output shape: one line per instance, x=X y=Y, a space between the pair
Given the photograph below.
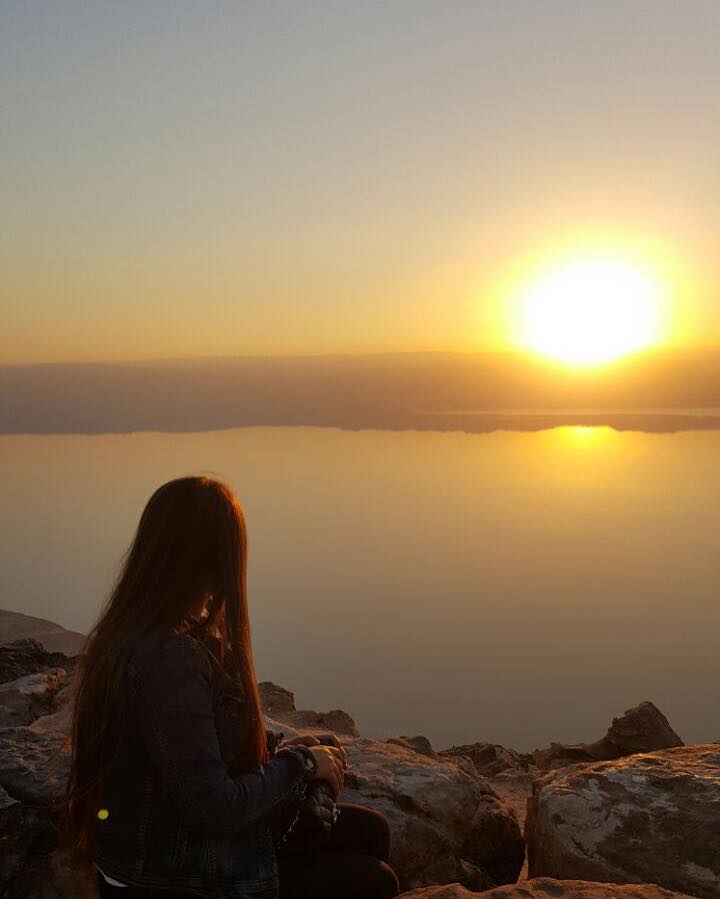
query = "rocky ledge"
x=649 y=817
x=612 y=829
x=448 y=823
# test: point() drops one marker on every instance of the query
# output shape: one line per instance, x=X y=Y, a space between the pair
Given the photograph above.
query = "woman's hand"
x=330 y=766
x=325 y=740
x=332 y=740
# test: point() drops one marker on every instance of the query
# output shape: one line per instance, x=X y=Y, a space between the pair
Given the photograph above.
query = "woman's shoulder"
x=165 y=648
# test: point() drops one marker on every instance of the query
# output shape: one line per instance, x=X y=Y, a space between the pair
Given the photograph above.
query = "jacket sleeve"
x=176 y=716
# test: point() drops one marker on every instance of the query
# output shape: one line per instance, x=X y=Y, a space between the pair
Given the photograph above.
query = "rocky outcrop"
x=545 y=888
x=489 y=759
x=446 y=823
x=642 y=728
x=648 y=817
x=653 y=817
x=279 y=703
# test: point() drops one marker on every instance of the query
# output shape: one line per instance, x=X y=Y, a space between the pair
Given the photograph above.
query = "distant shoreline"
x=661 y=392
x=467 y=422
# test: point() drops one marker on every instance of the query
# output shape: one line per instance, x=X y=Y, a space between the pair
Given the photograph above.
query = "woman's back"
x=173 y=784
x=169 y=811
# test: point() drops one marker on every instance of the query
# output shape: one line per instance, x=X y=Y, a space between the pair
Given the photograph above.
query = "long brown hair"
x=191 y=541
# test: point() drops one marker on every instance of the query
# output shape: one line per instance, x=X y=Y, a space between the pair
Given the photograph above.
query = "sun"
x=590 y=311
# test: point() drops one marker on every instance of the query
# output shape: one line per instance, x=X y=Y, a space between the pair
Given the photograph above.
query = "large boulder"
x=447 y=824
x=642 y=728
x=545 y=888
x=653 y=817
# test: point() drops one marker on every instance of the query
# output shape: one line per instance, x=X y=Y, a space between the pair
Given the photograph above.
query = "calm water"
x=509 y=587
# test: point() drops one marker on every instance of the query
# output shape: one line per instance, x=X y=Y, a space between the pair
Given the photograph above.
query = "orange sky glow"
x=270 y=179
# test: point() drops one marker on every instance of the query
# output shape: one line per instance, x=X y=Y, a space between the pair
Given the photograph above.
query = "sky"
x=182 y=179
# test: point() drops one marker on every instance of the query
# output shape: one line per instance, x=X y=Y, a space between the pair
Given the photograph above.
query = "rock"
x=33 y=770
x=653 y=817
x=34 y=759
x=27 y=698
x=34 y=763
x=545 y=888
x=27 y=656
x=642 y=728
x=337 y=721
x=446 y=824
x=279 y=703
x=52 y=637
x=15 y=840
x=418 y=744
x=489 y=759
x=560 y=755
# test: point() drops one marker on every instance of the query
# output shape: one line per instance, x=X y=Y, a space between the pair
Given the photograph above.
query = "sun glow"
x=591 y=311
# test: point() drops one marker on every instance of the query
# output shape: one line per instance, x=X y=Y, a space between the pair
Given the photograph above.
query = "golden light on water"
x=586 y=435
x=592 y=310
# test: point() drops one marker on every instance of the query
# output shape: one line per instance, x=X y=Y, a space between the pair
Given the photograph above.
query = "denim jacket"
x=170 y=813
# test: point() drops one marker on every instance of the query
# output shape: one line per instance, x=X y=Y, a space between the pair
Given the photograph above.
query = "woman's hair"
x=191 y=541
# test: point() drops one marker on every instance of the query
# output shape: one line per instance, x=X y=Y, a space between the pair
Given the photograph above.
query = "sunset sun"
x=592 y=311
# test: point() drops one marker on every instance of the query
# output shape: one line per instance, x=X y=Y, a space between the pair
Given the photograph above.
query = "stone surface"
x=28 y=697
x=277 y=702
x=642 y=728
x=33 y=770
x=545 y=888
x=34 y=759
x=33 y=763
x=446 y=823
x=653 y=817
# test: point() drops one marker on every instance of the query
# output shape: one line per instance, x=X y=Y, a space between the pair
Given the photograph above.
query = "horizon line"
x=527 y=354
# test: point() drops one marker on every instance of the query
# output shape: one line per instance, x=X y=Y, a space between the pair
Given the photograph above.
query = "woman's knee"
x=367 y=828
x=385 y=882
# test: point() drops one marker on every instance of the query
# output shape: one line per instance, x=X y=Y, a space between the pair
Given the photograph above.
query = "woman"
x=175 y=787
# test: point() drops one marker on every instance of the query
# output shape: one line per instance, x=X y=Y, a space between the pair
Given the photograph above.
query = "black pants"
x=354 y=866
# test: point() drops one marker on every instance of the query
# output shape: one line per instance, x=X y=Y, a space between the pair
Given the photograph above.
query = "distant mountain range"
x=658 y=391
